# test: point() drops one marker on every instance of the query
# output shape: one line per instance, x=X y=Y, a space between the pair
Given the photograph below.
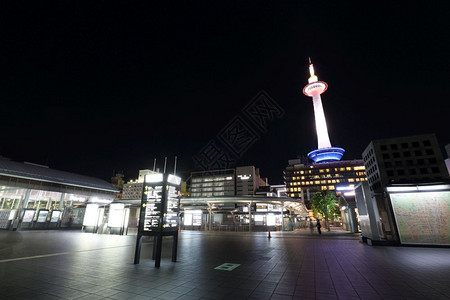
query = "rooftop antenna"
x=165 y=162
x=175 y=166
x=154 y=164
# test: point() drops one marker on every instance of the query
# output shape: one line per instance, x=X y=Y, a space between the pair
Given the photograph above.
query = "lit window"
x=348 y=168
x=341 y=169
x=331 y=187
x=351 y=180
x=321 y=170
x=324 y=187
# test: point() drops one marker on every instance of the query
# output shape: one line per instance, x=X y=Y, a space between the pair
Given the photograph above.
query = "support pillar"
x=250 y=217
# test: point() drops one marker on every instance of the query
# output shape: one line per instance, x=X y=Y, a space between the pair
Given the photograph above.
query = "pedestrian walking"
x=318 y=226
x=311 y=226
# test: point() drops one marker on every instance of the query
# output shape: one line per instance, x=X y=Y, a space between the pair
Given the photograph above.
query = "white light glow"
x=157 y=177
x=349 y=193
x=393 y=189
x=91 y=214
x=194 y=211
x=174 y=179
x=434 y=187
x=116 y=215
x=188 y=219
x=321 y=126
x=259 y=218
x=345 y=188
x=244 y=177
x=271 y=221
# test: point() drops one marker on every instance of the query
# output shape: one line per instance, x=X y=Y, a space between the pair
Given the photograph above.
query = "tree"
x=324 y=203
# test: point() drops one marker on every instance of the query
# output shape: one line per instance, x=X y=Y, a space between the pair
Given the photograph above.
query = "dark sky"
x=94 y=87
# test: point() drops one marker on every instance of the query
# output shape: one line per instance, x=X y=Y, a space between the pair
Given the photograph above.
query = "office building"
x=407 y=159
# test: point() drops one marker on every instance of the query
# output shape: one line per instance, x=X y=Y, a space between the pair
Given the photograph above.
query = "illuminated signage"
x=42 y=216
x=116 y=215
x=271 y=221
x=55 y=216
x=161 y=203
x=422 y=217
x=28 y=215
x=153 y=206
x=91 y=215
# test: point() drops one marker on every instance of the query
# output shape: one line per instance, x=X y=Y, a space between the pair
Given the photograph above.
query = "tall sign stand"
x=159 y=216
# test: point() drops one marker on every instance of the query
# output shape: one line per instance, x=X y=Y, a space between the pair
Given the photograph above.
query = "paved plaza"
x=218 y=265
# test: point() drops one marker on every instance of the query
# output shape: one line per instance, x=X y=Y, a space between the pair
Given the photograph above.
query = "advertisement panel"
x=28 y=215
x=56 y=214
x=42 y=216
x=422 y=217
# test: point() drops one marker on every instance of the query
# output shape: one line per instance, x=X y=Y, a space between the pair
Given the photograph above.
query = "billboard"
x=422 y=217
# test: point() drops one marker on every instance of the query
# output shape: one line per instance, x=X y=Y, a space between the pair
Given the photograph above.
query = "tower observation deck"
x=324 y=152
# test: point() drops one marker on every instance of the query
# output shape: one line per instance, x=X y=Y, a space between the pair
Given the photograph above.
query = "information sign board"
x=55 y=216
x=159 y=215
x=28 y=215
x=422 y=217
x=42 y=216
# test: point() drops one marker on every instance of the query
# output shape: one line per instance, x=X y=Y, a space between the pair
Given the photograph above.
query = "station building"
x=34 y=196
x=238 y=199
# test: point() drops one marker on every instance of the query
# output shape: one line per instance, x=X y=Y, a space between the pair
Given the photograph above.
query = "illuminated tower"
x=324 y=151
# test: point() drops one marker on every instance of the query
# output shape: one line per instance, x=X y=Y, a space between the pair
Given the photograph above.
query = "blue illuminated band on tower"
x=324 y=152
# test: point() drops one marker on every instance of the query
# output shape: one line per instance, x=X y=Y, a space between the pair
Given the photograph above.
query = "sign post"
x=159 y=215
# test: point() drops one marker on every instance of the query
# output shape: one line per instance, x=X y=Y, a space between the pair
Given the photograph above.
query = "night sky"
x=97 y=87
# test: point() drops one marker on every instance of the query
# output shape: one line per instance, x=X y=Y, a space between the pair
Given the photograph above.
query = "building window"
x=394 y=146
x=423 y=171
x=388 y=164
x=407 y=154
x=383 y=147
x=429 y=151
x=390 y=173
x=435 y=170
x=396 y=154
x=401 y=172
x=420 y=162
x=427 y=143
x=412 y=172
x=398 y=163
x=415 y=144
x=385 y=155
x=432 y=160
x=404 y=145
x=418 y=153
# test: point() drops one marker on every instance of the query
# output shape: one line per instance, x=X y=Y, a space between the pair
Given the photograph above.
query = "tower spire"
x=313 y=77
x=324 y=151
